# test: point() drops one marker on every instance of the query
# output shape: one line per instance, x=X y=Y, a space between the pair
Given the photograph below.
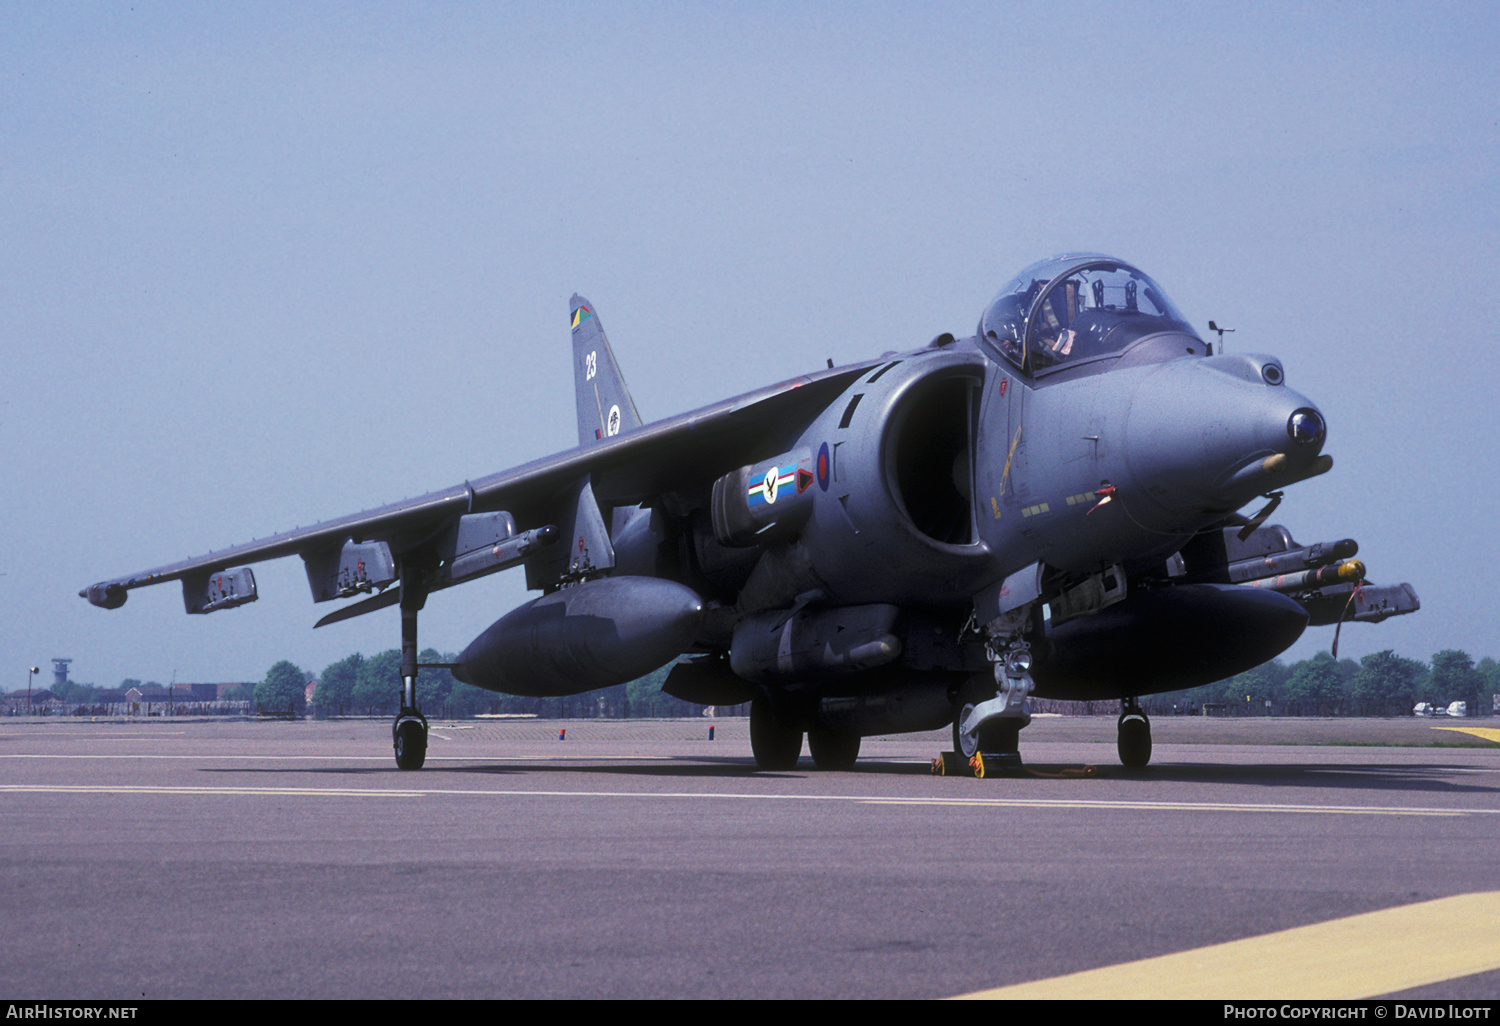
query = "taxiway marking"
x=1347 y=959
x=93 y=736
x=1070 y=803
x=1488 y=733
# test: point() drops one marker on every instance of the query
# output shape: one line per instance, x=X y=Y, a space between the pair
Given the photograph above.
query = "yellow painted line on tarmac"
x=1488 y=733
x=1069 y=803
x=334 y=792
x=93 y=736
x=1347 y=959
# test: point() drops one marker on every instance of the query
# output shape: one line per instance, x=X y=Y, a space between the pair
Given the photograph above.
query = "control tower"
x=60 y=671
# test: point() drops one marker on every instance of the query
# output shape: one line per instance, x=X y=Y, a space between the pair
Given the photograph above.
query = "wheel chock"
x=951 y=764
x=980 y=765
x=996 y=764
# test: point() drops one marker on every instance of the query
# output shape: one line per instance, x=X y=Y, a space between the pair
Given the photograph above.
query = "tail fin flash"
x=604 y=404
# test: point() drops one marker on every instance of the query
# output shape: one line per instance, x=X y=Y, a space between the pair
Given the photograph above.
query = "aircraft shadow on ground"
x=1375 y=776
x=666 y=767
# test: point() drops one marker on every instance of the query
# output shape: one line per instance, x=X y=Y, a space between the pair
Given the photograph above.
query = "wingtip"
x=106 y=594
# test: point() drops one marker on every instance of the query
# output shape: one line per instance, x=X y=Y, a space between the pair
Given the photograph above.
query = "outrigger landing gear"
x=1135 y=734
x=409 y=732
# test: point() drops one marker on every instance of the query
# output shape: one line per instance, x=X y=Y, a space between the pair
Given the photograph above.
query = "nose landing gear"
x=988 y=720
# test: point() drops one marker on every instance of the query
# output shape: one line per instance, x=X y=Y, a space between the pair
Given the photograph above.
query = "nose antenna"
x=1222 y=331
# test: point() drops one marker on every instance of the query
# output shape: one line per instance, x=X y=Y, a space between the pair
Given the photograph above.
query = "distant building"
x=141 y=700
x=17 y=701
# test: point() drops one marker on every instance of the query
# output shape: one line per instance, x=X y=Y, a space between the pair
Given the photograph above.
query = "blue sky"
x=265 y=264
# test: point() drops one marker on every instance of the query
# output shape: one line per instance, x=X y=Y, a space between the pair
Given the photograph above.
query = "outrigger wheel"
x=409 y=732
x=1135 y=735
x=409 y=735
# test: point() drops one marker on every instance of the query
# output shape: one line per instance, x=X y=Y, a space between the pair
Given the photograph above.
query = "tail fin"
x=604 y=404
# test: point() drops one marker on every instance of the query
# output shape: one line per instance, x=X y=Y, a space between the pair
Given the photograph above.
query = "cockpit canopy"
x=1075 y=308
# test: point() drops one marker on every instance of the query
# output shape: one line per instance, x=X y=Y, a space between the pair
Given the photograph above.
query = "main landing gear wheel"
x=775 y=738
x=409 y=734
x=1135 y=736
x=831 y=751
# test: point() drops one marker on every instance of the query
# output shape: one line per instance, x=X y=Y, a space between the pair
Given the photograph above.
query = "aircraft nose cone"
x=1204 y=436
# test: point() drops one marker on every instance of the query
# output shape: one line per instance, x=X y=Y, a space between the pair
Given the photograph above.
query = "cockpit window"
x=1075 y=308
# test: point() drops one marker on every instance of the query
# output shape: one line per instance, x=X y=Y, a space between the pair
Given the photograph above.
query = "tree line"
x=1380 y=684
x=359 y=685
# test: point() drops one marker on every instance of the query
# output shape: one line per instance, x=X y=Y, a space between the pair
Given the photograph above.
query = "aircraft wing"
x=674 y=454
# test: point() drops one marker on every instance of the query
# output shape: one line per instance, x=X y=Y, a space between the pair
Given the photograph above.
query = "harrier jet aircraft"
x=1045 y=508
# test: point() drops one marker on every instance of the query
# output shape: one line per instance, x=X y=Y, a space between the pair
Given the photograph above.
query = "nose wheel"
x=996 y=739
x=1135 y=735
